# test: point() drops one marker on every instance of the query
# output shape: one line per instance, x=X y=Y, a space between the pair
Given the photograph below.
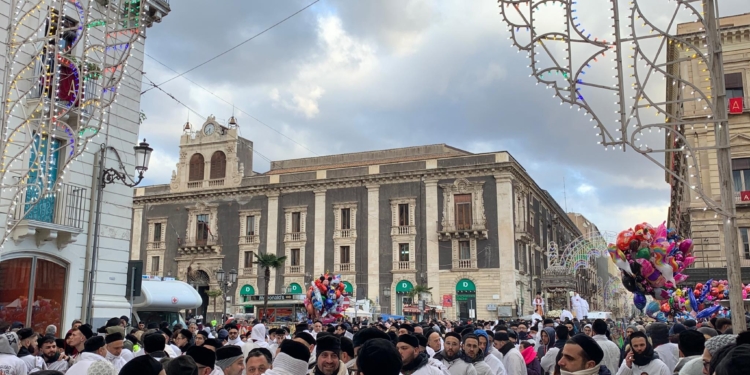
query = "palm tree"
x=266 y=261
x=418 y=291
x=214 y=293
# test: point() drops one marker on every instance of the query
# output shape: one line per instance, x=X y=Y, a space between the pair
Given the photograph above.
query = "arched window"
x=196 y=168
x=218 y=165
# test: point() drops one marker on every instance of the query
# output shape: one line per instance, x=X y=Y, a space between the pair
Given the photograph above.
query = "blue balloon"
x=660 y=317
x=639 y=300
x=707 y=312
x=693 y=302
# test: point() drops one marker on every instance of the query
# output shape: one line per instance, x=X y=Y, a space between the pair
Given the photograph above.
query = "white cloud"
x=584 y=189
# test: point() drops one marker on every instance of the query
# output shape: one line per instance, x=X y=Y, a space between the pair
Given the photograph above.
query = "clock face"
x=209 y=129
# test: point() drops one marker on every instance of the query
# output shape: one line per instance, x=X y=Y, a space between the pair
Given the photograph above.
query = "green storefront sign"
x=348 y=289
x=295 y=288
x=404 y=286
x=465 y=290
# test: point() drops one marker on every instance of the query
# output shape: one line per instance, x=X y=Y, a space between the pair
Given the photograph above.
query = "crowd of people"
x=437 y=347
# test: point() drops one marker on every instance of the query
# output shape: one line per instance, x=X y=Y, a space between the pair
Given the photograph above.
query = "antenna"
x=565 y=195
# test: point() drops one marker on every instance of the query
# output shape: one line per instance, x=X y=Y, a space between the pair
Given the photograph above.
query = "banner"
x=447 y=300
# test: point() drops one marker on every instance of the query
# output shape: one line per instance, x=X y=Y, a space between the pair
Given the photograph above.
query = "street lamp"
x=386 y=291
x=105 y=177
x=224 y=285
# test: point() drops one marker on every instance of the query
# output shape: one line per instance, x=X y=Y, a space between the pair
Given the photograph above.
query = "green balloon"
x=643 y=253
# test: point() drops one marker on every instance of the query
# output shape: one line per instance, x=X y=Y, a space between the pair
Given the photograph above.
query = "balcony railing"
x=464 y=263
x=216 y=182
x=294 y=269
x=345 y=233
x=50 y=216
x=344 y=267
x=155 y=245
x=248 y=271
x=250 y=239
x=403 y=265
x=403 y=230
x=201 y=242
x=195 y=184
x=450 y=229
x=295 y=237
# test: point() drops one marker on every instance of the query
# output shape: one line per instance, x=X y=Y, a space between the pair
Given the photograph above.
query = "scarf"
x=441 y=356
x=529 y=355
x=23 y=352
x=506 y=348
x=643 y=359
x=52 y=359
x=467 y=359
x=418 y=362
x=590 y=371
x=318 y=372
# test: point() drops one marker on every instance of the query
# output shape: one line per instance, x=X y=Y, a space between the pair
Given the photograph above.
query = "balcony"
x=250 y=239
x=344 y=267
x=210 y=245
x=524 y=231
x=215 y=183
x=295 y=237
x=345 y=233
x=403 y=266
x=155 y=245
x=247 y=271
x=464 y=264
x=55 y=217
x=450 y=229
x=294 y=270
x=403 y=230
x=74 y=111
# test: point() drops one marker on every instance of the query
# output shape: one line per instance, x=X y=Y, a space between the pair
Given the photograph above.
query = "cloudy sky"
x=347 y=76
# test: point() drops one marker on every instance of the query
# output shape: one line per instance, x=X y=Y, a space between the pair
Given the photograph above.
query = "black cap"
x=25 y=333
x=499 y=336
x=347 y=346
x=154 y=342
x=589 y=346
x=367 y=334
x=229 y=351
x=410 y=340
x=309 y=339
x=213 y=342
x=113 y=322
x=296 y=350
x=183 y=365
x=142 y=365
x=93 y=344
x=328 y=344
x=86 y=330
x=152 y=326
x=186 y=334
x=202 y=356
x=379 y=357
x=167 y=331
x=112 y=337
x=691 y=343
x=421 y=338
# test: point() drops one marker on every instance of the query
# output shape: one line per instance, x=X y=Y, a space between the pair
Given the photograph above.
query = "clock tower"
x=212 y=157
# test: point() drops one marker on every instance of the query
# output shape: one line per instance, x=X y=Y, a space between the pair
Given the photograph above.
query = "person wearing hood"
x=94 y=350
x=258 y=336
x=641 y=358
x=547 y=351
x=452 y=357
x=474 y=355
x=691 y=344
x=485 y=346
x=327 y=354
x=115 y=343
x=10 y=364
x=512 y=358
x=233 y=337
x=49 y=353
x=412 y=360
x=529 y=356
x=291 y=359
x=581 y=355
x=626 y=342
x=27 y=350
x=668 y=352
x=610 y=349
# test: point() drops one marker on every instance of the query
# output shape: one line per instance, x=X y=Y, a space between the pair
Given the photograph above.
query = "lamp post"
x=224 y=285
x=386 y=294
x=105 y=177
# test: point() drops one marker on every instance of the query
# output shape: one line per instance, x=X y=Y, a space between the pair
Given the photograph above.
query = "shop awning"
x=348 y=289
x=295 y=288
x=404 y=286
x=247 y=290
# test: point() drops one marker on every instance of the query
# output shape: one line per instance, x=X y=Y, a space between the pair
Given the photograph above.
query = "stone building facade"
x=686 y=213
x=473 y=227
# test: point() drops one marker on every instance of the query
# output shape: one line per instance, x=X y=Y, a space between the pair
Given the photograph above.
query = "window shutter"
x=196 y=168
x=740 y=164
x=218 y=165
x=733 y=80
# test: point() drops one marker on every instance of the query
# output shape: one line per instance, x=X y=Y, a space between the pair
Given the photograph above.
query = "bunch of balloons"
x=714 y=290
x=651 y=261
x=325 y=298
x=690 y=303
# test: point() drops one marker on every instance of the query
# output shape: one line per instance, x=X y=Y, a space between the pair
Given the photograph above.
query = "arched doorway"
x=348 y=289
x=245 y=292
x=466 y=298
x=403 y=295
x=199 y=279
x=36 y=279
x=295 y=288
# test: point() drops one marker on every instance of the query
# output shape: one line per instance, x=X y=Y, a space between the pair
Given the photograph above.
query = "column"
x=431 y=238
x=373 y=243
x=272 y=236
x=506 y=238
x=319 y=245
x=135 y=235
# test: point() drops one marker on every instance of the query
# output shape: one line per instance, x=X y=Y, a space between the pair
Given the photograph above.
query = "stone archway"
x=200 y=280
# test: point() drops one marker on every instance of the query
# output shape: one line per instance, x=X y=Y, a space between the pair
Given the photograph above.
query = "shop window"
x=32 y=279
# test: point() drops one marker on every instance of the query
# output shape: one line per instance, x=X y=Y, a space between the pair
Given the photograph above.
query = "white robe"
x=655 y=367
x=495 y=364
x=85 y=360
x=577 y=306
x=585 y=306
x=117 y=361
x=565 y=314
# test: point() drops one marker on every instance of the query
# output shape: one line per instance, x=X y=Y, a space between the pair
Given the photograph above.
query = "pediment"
x=739 y=139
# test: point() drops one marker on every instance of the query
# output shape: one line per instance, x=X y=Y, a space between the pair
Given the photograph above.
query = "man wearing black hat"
x=94 y=350
x=27 y=348
x=327 y=354
x=154 y=344
x=412 y=360
x=230 y=359
x=205 y=359
x=143 y=365
x=512 y=358
x=115 y=342
x=52 y=358
x=452 y=357
x=668 y=352
x=641 y=359
x=378 y=357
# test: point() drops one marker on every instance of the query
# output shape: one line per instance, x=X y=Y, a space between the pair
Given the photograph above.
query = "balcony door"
x=43 y=166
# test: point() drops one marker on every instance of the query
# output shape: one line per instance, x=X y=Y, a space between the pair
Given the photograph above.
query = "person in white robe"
x=576 y=305
x=95 y=350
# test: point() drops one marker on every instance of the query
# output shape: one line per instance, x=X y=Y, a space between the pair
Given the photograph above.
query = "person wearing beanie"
x=668 y=352
x=154 y=345
x=474 y=354
x=94 y=350
x=308 y=340
x=691 y=346
x=327 y=357
x=366 y=334
x=9 y=361
x=379 y=357
x=641 y=359
x=452 y=357
x=48 y=353
x=347 y=355
x=229 y=358
x=114 y=350
x=512 y=358
x=291 y=359
x=204 y=358
x=143 y=365
x=716 y=343
x=27 y=349
x=582 y=355
x=412 y=360
x=735 y=362
x=200 y=337
x=611 y=352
